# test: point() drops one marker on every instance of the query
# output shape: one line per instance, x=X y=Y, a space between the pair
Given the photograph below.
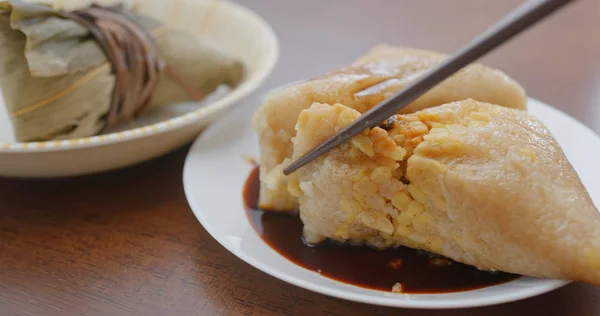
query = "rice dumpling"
x=478 y=183
x=72 y=74
x=361 y=85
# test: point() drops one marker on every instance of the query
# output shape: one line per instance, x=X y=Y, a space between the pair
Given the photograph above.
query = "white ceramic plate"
x=214 y=175
x=227 y=25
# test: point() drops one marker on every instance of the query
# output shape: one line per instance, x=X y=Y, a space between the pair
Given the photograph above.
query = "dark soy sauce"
x=416 y=271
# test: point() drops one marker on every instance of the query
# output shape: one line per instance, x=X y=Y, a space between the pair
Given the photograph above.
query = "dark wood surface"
x=126 y=243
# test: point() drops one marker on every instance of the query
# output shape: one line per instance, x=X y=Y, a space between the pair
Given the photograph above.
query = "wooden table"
x=126 y=243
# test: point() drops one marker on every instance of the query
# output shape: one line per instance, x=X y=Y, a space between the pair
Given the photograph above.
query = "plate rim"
x=226 y=102
x=552 y=284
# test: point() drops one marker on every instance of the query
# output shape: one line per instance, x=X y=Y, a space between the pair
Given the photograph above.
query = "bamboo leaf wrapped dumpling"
x=60 y=81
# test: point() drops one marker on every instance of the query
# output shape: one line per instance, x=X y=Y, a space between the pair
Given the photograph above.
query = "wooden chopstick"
x=512 y=24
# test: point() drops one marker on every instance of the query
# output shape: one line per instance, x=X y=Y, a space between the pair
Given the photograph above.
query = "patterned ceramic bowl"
x=228 y=25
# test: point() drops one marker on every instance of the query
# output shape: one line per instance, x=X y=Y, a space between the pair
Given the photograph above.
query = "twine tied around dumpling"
x=133 y=57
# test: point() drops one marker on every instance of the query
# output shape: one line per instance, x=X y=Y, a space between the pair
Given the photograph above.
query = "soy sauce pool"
x=363 y=266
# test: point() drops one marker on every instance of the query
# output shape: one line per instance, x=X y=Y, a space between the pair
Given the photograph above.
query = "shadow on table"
x=134 y=188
